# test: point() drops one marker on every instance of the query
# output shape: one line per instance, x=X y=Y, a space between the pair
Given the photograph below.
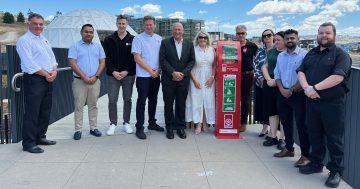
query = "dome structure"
x=64 y=29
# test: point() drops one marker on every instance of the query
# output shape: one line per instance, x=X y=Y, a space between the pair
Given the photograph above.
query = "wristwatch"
x=97 y=76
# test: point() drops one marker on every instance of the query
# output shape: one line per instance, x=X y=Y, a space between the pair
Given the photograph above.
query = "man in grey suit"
x=177 y=57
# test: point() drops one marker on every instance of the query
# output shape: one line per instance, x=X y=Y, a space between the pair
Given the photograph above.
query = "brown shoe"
x=301 y=162
x=242 y=128
x=284 y=153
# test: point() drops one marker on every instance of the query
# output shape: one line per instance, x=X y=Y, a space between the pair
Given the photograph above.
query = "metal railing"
x=16 y=76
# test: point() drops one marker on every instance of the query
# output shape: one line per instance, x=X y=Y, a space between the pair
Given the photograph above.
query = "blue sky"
x=223 y=15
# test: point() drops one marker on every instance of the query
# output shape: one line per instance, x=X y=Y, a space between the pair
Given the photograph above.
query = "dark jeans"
x=177 y=93
x=327 y=121
x=287 y=107
x=114 y=85
x=147 y=88
x=247 y=81
x=38 y=101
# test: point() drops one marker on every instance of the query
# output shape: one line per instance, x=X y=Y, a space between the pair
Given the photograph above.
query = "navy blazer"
x=170 y=62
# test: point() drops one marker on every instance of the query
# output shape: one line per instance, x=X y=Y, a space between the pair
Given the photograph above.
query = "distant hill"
x=7 y=30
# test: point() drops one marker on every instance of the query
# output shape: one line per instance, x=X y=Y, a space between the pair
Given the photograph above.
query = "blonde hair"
x=196 y=39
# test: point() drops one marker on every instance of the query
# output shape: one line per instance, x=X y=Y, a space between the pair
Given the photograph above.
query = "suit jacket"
x=170 y=62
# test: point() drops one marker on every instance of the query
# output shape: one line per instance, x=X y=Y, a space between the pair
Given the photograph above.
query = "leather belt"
x=77 y=77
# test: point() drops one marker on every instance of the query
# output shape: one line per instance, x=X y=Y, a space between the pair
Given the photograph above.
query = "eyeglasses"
x=203 y=37
x=240 y=33
x=267 y=35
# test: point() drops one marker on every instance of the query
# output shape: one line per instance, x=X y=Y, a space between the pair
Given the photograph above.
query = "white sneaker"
x=111 y=130
x=128 y=129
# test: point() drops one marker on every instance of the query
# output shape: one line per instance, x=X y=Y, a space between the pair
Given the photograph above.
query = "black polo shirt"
x=248 y=52
x=318 y=65
x=118 y=54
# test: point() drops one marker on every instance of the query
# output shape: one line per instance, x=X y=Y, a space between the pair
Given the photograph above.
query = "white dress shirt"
x=35 y=53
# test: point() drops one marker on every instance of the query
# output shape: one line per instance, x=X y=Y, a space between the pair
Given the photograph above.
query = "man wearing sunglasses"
x=248 y=52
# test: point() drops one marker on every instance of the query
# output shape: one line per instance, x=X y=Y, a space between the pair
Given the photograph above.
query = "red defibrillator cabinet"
x=228 y=90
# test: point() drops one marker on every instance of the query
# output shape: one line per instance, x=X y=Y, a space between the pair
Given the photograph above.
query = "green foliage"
x=20 y=17
x=8 y=18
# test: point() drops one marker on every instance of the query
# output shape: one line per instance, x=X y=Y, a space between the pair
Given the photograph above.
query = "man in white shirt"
x=145 y=48
x=39 y=66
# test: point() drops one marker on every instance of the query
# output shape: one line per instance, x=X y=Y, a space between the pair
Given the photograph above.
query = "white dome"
x=64 y=30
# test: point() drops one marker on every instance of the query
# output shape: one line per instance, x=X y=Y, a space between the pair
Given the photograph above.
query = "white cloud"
x=202 y=11
x=177 y=14
x=330 y=13
x=254 y=28
x=274 y=7
x=150 y=9
x=130 y=10
x=208 y=1
x=349 y=31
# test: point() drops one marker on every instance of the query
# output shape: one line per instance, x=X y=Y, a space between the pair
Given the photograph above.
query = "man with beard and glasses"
x=291 y=98
x=323 y=75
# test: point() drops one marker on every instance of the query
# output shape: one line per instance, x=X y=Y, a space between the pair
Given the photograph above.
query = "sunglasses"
x=240 y=33
x=267 y=35
x=203 y=37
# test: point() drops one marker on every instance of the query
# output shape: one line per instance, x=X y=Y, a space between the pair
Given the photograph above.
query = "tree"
x=20 y=17
x=8 y=18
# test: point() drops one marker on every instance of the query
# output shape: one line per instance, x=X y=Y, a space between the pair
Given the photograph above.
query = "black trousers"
x=287 y=107
x=326 y=121
x=175 y=93
x=38 y=101
x=147 y=88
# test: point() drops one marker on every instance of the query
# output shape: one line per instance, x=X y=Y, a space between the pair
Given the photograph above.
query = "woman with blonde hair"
x=200 y=103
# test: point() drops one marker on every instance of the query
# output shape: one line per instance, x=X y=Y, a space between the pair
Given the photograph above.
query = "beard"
x=327 y=43
x=290 y=45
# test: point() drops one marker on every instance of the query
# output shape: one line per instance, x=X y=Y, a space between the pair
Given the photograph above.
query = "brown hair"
x=121 y=17
x=148 y=17
x=329 y=24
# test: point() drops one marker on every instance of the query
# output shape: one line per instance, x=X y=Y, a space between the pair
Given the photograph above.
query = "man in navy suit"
x=177 y=57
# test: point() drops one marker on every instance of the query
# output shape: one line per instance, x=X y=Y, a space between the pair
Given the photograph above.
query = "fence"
x=62 y=103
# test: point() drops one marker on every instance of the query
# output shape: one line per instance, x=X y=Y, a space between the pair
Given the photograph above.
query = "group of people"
x=308 y=86
x=288 y=81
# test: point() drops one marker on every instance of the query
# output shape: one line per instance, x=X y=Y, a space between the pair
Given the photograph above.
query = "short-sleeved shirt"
x=87 y=56
x=286 y=66
x=35 y=53
x=318 y=65
x=271 y=60
x=148 y=47
x=248 y=52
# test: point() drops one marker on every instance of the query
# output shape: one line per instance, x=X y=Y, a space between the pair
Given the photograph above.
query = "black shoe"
x=311 y=168
x=34 y=149
x=170 y=134
x=44 y=141
x=281 y=144
x=270 y=142
x=155 y=127
x=181 y=133
x=140 y=134
x=333 y=180
x=95 y=132
x=268 y=138
x=77 y=135
x=263 y=134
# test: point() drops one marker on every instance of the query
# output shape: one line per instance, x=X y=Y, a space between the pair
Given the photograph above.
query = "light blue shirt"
x=148 y=47
x=87 y=56
x=286 y=66
x=35 y=53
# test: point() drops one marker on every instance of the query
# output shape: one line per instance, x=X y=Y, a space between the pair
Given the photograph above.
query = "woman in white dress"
x=200 y=103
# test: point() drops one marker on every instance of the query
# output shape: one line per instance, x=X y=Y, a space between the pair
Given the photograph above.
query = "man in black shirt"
x=322 y=75
x=120 y=66
x=248 y=52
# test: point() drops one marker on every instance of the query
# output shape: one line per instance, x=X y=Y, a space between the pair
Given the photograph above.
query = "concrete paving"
x=123 y=161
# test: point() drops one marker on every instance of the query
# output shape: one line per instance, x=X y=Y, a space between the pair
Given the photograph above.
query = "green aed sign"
x=229 y=96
